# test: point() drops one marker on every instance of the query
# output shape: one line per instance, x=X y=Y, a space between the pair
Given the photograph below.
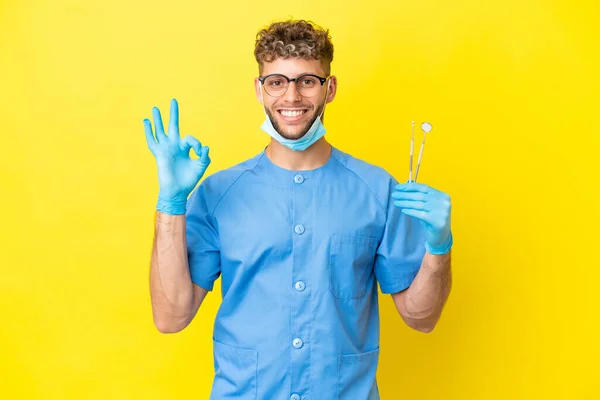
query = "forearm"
x=421 y=304
x=171 y=287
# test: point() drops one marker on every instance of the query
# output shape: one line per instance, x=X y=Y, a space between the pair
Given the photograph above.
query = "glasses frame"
x=263 y=78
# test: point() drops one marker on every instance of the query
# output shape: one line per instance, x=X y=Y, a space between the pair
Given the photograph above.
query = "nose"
x=291 y=95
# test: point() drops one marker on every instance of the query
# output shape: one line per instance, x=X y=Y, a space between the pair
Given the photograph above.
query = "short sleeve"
x=202 y=241
x=401 y=250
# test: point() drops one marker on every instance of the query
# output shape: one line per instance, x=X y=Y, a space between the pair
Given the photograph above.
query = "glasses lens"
x=275 y=85
x=308 y=86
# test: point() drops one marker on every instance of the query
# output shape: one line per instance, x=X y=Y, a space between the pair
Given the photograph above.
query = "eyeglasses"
x=307 y=85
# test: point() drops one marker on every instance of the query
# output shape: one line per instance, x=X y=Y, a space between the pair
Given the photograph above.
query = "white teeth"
x=291 y=114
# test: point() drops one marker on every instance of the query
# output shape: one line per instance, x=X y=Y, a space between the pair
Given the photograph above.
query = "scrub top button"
x=297 y=343
x=299 y=229
x=298 y=178
x=300 y=286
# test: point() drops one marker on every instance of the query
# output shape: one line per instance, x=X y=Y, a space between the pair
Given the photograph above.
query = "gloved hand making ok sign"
x=178 y=173
x=432 y=208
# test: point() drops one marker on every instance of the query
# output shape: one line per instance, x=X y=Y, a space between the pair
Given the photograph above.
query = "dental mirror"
x=425 y=127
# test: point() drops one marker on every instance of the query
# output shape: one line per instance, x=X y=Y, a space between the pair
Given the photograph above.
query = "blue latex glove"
x=432 y=208
x=178 y=173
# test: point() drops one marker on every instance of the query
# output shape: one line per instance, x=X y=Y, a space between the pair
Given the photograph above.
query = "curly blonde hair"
x=294 y=38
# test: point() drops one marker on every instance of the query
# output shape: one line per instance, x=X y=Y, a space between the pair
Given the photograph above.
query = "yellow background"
x=510 y=87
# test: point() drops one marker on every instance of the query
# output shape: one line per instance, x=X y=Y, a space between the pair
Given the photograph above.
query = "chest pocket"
x=351 y=260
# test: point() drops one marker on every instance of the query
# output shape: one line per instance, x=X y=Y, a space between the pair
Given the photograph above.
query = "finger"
x=190 y=142
x=413 y=187
x=158 y=125
x=417 y=196
x=411 y=205
x=422 y=215
x=174 y=121
x=152 y=144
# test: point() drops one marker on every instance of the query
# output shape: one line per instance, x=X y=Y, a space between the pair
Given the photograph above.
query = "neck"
x=312 y=158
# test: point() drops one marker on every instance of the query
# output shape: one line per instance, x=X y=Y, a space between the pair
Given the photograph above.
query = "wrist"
x=443 y=248
x=171 y=206
x=170 y=222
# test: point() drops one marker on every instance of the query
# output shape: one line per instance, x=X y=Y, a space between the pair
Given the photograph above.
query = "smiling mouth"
x=292 y=114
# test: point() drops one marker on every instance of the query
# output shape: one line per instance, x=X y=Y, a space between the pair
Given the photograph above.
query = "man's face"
x=293 y=114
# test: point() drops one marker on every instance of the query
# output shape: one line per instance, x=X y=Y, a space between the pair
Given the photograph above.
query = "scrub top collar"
x=284 y=174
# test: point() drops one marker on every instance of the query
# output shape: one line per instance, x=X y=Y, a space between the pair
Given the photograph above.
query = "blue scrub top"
x=300 y=255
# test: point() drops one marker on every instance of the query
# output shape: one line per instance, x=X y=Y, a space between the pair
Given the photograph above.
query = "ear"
x=258 y=90
x=332 y=88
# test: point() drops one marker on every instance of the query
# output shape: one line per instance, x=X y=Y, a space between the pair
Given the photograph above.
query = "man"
x=301 y=235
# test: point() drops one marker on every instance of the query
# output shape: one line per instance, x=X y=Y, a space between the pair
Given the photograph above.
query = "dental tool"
x=412 y=145
x=426 y=128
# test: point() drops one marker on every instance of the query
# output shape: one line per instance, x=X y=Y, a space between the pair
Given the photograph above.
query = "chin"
x=293 y=132
x=293 y=135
